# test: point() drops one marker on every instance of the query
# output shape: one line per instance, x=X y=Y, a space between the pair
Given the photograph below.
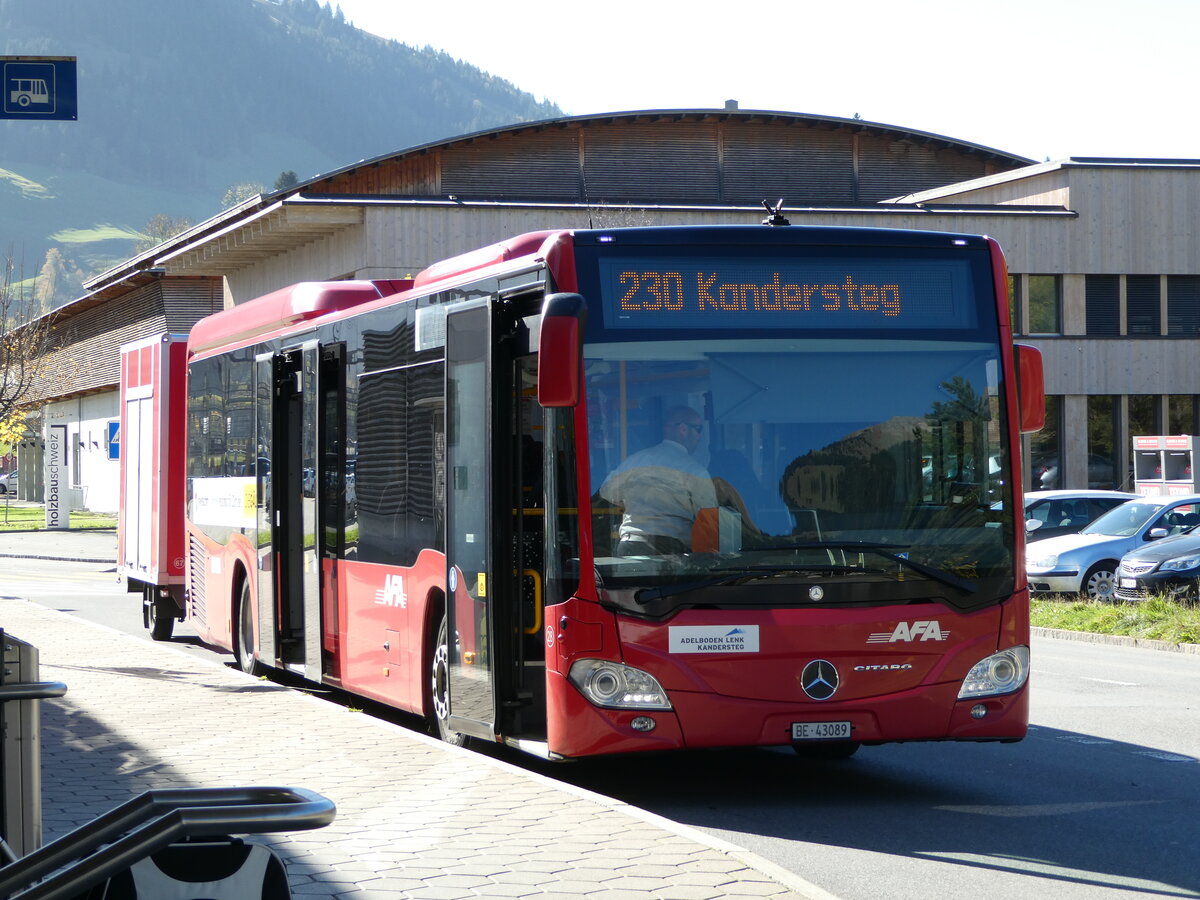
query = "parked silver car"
x=1087 y=562
x=1051 y=513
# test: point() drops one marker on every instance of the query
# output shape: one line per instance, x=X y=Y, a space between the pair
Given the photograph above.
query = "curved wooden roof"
x=676 y=156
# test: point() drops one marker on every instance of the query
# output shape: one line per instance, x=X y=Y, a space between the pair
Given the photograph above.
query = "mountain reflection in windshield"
x=803 y=442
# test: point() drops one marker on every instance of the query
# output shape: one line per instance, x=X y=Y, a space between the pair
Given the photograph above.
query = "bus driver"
x=661 y=489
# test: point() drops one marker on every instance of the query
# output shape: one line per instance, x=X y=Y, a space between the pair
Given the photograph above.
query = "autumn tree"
x=239 y=193
x=24 y=339
x=159 y=229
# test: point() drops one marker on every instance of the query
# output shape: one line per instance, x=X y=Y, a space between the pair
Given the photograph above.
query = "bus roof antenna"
x=775 y=214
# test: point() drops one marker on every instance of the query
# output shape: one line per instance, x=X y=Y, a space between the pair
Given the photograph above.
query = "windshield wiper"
x=727 y=576
x=946 y=578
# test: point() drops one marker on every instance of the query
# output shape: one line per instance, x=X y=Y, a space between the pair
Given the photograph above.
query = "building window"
x=1143 y=415
x=1143 y=310
x=1183 y=304
x=1181 y=414
x=1102 y=444
x=1044 y=301
x=1103 y=300
x=1044 y=449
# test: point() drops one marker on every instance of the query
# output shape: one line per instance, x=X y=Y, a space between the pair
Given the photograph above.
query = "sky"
x=1044 y=79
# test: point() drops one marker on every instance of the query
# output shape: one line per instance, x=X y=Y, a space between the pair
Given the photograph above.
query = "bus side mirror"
x=1031 y=388
x=560 y=350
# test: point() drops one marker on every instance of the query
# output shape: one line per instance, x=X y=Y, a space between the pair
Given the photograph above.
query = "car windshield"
x=798 y=459
x=1126 y=520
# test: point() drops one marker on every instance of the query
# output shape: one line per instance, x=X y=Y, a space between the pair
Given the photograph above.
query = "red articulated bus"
x=590 y=492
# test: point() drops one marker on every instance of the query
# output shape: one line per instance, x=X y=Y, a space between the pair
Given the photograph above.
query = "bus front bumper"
x=705 y=720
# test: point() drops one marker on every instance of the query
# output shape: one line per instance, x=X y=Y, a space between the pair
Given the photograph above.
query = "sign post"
x=58 y=502
x=38 y=87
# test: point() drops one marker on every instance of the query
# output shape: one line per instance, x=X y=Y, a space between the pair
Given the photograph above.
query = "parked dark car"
x=1170 y=567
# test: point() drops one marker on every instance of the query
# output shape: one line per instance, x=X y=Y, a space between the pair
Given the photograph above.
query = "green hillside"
x=179 y=100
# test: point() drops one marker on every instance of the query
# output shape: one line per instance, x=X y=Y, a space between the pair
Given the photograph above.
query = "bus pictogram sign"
x=36 y=87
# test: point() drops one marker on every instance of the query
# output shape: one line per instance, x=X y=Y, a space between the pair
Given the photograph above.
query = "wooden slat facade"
x=710 y=157
x=88 y=342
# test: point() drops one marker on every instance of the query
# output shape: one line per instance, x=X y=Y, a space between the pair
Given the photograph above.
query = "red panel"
x=174 y=463
x=475 y=260
x=298 y=303
x=381 y=605
x=145 y=374
x=748 y=699
x=559 y=362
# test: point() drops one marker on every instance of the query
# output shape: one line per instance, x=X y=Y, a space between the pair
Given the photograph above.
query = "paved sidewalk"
x=416 y=818
x=99 y=546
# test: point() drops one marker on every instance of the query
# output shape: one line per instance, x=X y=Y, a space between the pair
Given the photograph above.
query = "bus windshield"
x=821 y=468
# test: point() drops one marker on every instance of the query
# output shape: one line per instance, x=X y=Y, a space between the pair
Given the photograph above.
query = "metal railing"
x=20 y=746
x=116 y=840
x=112 y=843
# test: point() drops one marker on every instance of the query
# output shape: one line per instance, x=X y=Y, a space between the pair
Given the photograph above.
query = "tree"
x=59 y=281
x=286 y=180
x=159 y=229
x=24 y=339
x=239 y=193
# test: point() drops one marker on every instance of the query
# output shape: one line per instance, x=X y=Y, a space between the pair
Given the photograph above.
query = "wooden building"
x=1103 y=260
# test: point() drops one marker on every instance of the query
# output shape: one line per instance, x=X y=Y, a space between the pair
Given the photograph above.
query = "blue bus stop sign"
x=37 y=87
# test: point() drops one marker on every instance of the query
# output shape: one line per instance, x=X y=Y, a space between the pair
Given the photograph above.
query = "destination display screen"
x=841 y=293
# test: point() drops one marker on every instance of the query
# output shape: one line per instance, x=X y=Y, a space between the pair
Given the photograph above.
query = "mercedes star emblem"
x=819 y=679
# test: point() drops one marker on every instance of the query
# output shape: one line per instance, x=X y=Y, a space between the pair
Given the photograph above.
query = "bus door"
x=289 y=563
x=484 y=588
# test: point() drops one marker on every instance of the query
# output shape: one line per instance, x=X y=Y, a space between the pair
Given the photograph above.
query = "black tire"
x=827 y=749
x=1100 y=581
x=439 y=689
x=243 y=638
x=162 y=615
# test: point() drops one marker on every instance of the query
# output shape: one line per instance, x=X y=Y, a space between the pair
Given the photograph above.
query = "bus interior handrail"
x=135 y=830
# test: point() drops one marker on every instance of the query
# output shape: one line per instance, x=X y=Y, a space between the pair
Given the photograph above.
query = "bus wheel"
x=827 y=749
x=161 y=620
x=243 y=641
x=439 y=685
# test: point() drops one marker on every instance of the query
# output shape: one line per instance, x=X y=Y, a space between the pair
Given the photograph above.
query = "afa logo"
x=907 y=632
x=392 y=593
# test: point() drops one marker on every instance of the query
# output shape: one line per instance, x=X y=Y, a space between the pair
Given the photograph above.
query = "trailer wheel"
x=243 y=640
x=162 y=617
x=439 y=685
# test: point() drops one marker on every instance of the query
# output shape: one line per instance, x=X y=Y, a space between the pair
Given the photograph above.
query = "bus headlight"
x=1000 y=673
x=617 y=686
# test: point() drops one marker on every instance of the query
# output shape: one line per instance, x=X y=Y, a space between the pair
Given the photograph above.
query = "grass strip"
x=1157 y=619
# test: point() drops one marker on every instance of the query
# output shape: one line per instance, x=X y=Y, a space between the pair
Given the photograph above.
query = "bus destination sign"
x=715 y=293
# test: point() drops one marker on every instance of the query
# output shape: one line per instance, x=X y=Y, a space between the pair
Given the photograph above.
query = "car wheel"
x=1100 y=581
x=1184 y=591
